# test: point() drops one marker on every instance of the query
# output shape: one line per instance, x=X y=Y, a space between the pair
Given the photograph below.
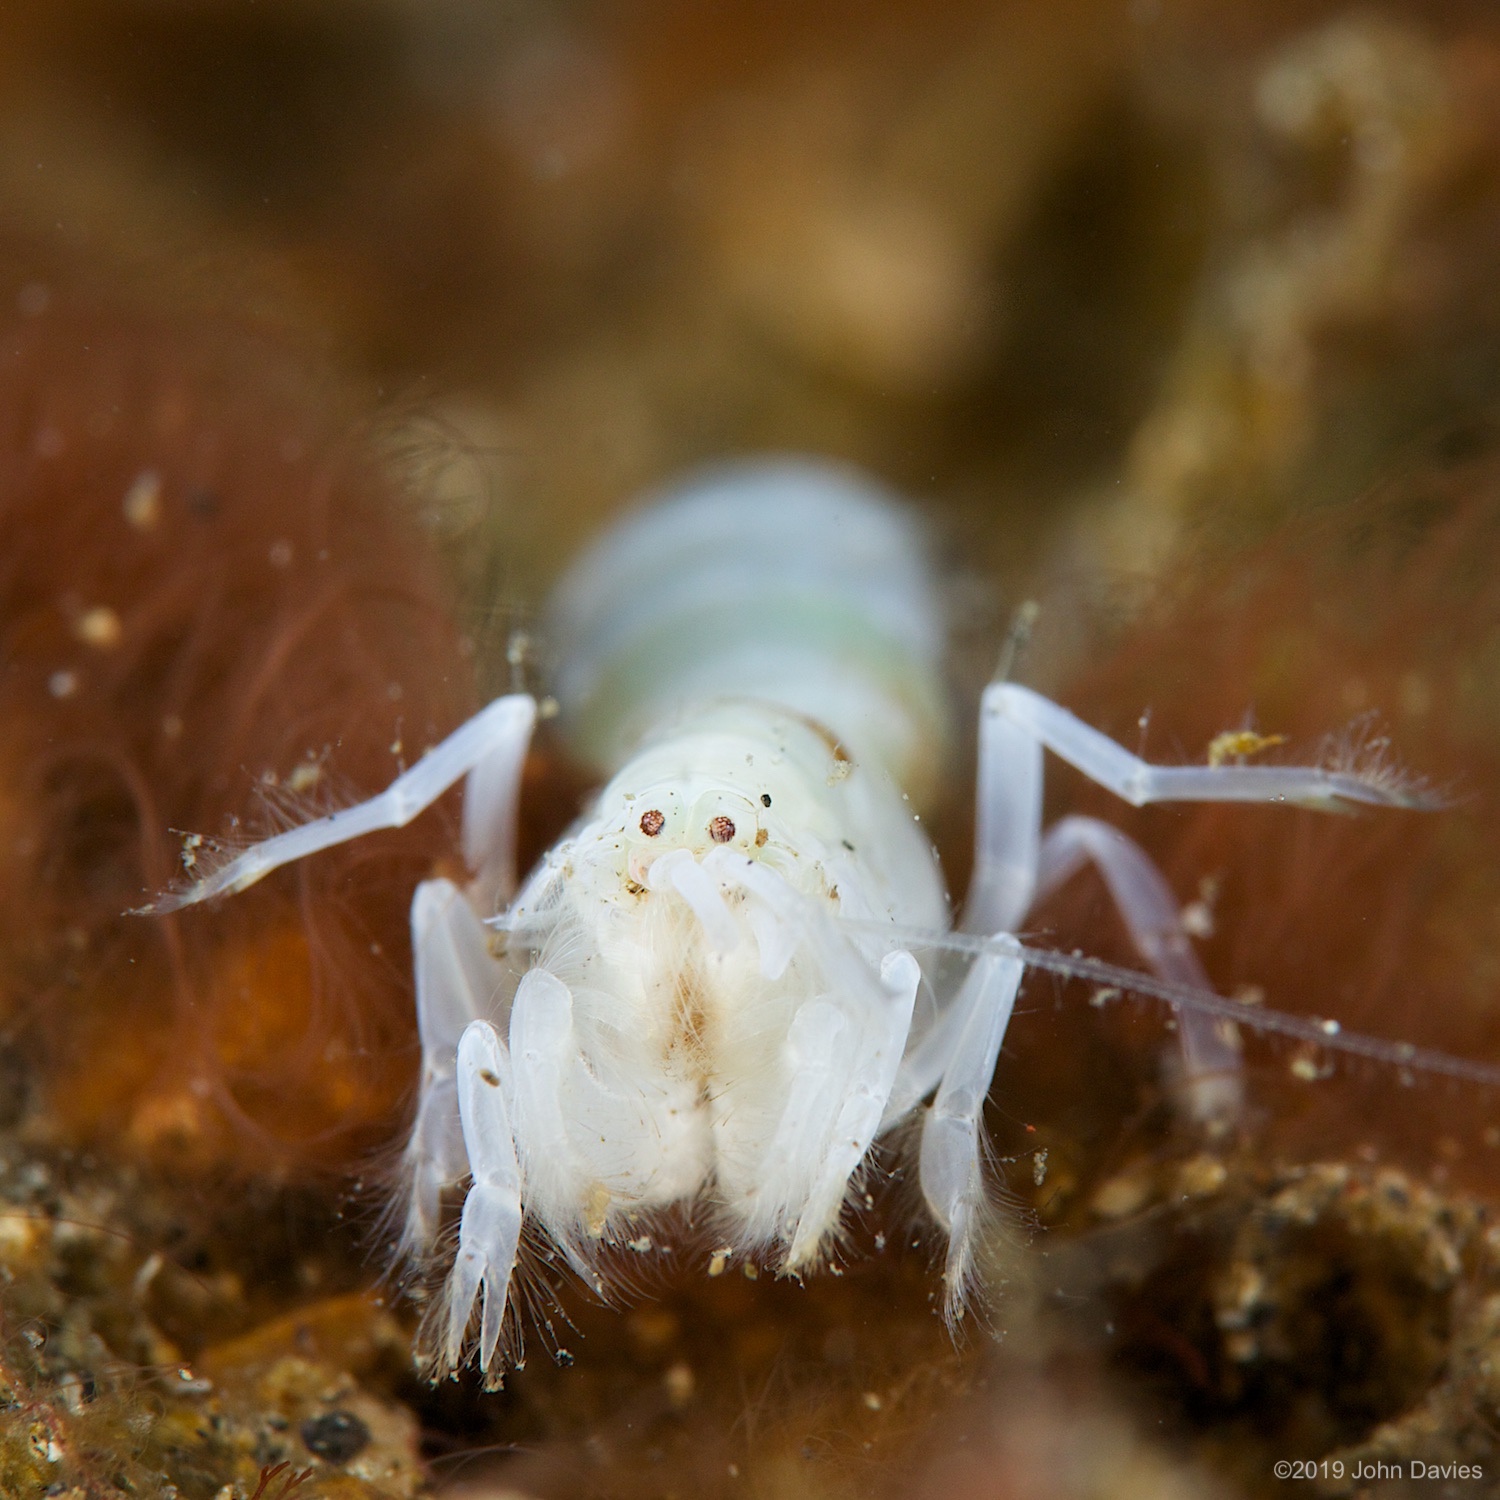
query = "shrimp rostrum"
x=709 y=992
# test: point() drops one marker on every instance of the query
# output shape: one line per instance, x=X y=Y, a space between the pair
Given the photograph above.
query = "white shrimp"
x=708 y=991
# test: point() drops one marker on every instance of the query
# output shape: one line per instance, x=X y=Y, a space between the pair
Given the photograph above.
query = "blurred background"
x=1180 y=316
x=1078 y=274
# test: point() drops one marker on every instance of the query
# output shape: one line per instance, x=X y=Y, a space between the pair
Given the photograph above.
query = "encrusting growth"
x=204 y=582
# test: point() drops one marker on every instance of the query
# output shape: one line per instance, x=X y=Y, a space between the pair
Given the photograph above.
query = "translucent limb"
x=1015 y=724
x=859 y=1108
x=1007 y=822
x=456 y=979
x=491 y=799
x=779 y=918
x=541 y=1043
x=681 y=872
x=586 y=1146
x=492 y=742
x=923 y=1066
x=950 y=1166
x=1137 y=781
x=843 y=1052
x=1210 y=1050
x=489 y=1231
x=1115 y=984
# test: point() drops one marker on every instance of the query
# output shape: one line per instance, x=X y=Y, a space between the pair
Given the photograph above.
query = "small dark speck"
x=847 y=845
x=336 y=1437
x=765 y=799
x=203 y=503
x=490 y=1078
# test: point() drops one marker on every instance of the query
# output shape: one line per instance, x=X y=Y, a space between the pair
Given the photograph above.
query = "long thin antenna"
x=1017 y=639
x=518 y=656
x=1115 y=983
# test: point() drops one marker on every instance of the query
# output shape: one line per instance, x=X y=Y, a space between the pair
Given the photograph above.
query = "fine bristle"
x=1363 y=630
x=214 y=618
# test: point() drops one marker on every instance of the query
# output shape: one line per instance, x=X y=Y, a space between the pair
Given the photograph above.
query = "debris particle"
x=1197 y=920
x=1123 y=1195
x=1305 y=1067
x=1201 y=1176
x=1236 y=744
x=99 y=627
x=680 y=1384
x=305 y=776
x=142 y=504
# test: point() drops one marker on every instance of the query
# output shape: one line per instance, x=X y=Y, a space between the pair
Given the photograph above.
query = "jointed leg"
x=859 y=1105
x=951 y=1166
x=456 y=979
x=843 y=1050
x=679 y=871
x=491 y=797
x=1007 y=824
x=489 y=1232
x=588 y=1148
x=1008 y=709
x=541 y=1045
x=1015 y=725
x=1210 y=1054
x=492 y=743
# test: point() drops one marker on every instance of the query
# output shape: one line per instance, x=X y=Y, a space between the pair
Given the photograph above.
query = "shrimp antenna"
x=1017 y=639
x=1116 y=982
x=520 y=651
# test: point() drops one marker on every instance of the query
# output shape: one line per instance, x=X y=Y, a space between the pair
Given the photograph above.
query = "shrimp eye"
x=652 y=822
x=765 y=799
x=721 y=829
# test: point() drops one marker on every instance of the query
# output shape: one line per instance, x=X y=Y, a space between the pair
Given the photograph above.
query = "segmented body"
x=757 y=660
x=709 y=990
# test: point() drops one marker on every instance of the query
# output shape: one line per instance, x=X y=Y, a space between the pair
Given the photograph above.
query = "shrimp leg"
x=456 y=981
x=1211 y=1058
x=489 y=749
x=1016 y=724
x=950 y=1166
x=489 y=1232
x=854 y=1110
